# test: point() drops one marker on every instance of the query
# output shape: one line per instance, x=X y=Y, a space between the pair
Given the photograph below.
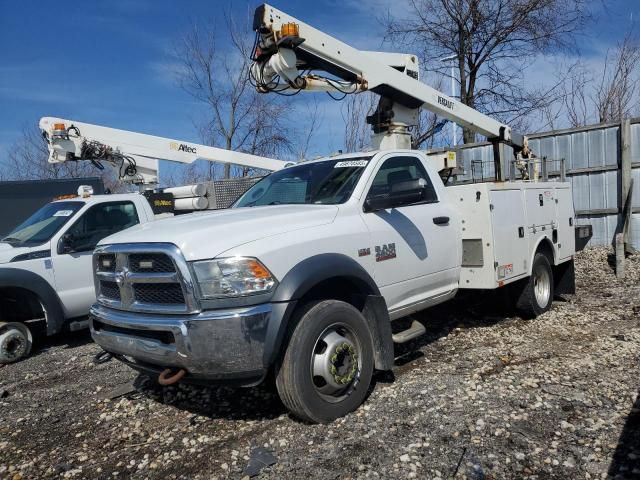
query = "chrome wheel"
x=335 y=363
x=541 y=285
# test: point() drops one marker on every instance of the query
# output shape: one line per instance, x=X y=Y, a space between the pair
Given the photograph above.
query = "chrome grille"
x=107 y=262
x=146 y=277
x=110 y=289
x=158 y=293
x=150 y=263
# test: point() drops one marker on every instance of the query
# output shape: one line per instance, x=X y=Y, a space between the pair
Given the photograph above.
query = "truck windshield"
x=43 y=224
x=327 y=182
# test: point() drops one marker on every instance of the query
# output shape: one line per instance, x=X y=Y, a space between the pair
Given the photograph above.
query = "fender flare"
x=535 y=250
x=313 y=270
x=309 y=273
x=34 y=283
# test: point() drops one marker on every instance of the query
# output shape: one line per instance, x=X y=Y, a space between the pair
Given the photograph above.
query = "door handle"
x=441 y=220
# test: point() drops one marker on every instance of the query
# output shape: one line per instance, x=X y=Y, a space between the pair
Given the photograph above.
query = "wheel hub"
x=541 y=286
x=344 y=363
x=335 y=365
x=12 y=347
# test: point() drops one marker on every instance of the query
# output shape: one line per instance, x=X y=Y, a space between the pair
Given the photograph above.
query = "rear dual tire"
x=327 y=367
x=536 y=293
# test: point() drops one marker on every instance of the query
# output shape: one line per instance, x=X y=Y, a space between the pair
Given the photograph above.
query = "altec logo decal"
x=182 y=147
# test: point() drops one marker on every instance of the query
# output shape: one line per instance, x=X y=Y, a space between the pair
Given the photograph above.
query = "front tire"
x=328 y=364
x=15 y=342
x=536 y=294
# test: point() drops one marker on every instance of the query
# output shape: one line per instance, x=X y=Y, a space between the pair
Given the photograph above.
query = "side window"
x=401 y=169
x=99 y=222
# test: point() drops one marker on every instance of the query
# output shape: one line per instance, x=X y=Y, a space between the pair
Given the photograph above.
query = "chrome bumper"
x=212 y=345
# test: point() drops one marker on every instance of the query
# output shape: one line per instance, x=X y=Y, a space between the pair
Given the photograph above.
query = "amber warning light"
x=290 y=30
x=59 y=130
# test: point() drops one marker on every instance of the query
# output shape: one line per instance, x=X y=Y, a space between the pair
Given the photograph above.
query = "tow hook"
x=102 y=357
x=168 y=377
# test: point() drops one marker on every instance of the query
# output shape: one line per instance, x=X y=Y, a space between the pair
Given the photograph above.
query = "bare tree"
x=576 y=99
x=354 y=111
x=616 y=95
x=493 y=42
x=311 y=119
x=610 y=96
x=27 y=160
x=238 y=117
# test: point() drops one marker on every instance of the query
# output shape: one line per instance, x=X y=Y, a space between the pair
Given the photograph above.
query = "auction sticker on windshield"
x=351 y=163
x=63 y=213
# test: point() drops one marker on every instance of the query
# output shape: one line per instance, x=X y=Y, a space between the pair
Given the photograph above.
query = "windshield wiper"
x=11 y=239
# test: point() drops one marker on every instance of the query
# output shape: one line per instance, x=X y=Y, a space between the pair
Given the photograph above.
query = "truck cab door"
x=72 y=253
x=415 y=245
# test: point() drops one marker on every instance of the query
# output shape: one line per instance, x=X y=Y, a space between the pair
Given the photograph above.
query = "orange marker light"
x=259 y=270
x=59 y=126
x=290 y=30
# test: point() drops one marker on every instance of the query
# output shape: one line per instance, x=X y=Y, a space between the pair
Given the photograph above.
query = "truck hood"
x=208 y=234
x=7 y=252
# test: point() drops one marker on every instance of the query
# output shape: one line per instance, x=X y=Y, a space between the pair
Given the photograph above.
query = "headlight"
x=232 y=277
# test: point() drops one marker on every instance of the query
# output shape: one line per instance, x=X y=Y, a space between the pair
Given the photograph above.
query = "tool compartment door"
x=510 y=244
x=565 y=241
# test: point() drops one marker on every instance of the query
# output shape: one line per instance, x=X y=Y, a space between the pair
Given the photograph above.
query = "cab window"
x=401 y=169
x=99 y=222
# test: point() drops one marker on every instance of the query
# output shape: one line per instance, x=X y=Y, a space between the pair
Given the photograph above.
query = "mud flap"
x=376 y=313
x=564 y=276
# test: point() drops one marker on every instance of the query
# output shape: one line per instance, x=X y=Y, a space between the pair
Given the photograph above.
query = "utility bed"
x=502 y=223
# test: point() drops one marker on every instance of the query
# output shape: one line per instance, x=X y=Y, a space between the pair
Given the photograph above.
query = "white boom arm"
x=135 y=155
x=288 y=50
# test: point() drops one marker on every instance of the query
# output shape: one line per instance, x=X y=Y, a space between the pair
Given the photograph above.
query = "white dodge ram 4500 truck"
x=306 y=274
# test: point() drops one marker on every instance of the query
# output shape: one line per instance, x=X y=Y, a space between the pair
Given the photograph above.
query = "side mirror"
x=66 y=244
x=402 y=193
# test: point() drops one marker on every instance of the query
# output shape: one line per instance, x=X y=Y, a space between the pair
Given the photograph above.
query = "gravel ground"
x=484 y=395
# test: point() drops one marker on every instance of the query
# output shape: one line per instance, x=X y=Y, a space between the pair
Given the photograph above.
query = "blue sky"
x=105 y=62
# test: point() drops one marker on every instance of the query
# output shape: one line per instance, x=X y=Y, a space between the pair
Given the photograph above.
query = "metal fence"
x=598 y=160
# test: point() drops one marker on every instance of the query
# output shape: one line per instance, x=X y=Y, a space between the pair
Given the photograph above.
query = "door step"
x=79 y=325
x=414 y=331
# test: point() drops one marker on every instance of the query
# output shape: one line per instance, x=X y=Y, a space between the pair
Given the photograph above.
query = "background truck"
x=25 y=197
x=46 y=279
x=45 y=265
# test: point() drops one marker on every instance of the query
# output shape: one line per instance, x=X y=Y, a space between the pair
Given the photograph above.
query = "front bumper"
x=212 y=345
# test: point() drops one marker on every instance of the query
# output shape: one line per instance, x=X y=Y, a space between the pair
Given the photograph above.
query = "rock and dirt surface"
x=484 y=395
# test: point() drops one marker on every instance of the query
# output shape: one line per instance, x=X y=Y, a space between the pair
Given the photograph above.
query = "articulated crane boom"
x=135 y=155
x=287 y=51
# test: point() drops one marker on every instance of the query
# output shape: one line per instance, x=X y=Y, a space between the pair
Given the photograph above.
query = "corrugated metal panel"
x=612 y=187
x=611 y=146
x=579 y=151
x=563 y=143
x=580 y=188
x=596 y=148
x=635 y=199
x=635 y=230
x=635 y=142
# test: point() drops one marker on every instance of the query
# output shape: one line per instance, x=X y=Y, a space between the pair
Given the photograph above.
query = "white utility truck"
x=45 y=263
x=308 y=274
